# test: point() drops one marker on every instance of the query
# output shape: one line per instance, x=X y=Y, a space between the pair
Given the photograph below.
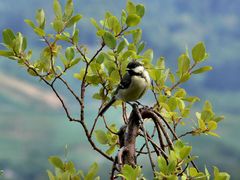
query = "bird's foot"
x=140 y=104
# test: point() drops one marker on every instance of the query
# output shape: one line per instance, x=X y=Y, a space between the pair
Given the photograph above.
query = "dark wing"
x=125 y=82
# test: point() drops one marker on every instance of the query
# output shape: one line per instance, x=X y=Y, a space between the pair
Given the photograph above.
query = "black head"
x=133 y=64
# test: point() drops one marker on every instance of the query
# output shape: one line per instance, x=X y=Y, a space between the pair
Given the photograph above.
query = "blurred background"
x=33 y=125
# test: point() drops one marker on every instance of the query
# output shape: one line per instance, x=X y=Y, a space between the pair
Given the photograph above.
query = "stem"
x=146 y=140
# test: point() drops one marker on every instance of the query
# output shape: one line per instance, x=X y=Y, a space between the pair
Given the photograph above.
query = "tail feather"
x=103 y=110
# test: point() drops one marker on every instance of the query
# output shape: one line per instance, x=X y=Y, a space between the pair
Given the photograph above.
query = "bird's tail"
x=103 y=110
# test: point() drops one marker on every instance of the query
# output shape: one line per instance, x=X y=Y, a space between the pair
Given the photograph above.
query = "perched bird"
x=132 y=86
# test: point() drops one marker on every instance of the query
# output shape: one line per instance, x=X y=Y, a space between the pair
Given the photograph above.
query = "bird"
x=132 y=87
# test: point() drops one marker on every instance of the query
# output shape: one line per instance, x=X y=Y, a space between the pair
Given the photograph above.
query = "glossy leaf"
x=92 y=172
x=111 y=149
x=140 y=47
x=140 y=10
x=130 y=173
x=56 y=162
x=39 y=31
x=73 y=20
x=101 y=136
x=121 y=46
x=131 y=8
x=212 y=125
x=8 y=36
x=183 y=65
x=185 y=151
x=162 y=164
x=50 y=175
x=114 y=24
x=202 y=70
x=137 y=35
x=109 y=40
x=40 y=18
x=133 y=20
x=198 y=52
x=220 y=175
x=69 y=53
x=75 y=61
x=68 y=11
x=6 y=53
x=185 y=77
x=57 y=8
x=100 y=58
x=30 y=23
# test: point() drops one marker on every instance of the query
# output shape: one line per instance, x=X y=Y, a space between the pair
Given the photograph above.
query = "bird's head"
x=135 y=67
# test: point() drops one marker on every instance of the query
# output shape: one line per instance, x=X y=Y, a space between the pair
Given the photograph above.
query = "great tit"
x=132 y=87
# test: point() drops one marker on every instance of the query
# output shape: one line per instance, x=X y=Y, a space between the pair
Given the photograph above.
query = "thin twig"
x=175 y=136
x=146 y=139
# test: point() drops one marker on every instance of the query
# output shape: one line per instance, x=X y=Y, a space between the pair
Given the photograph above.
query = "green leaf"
x=213 y=134
x=56 y=162
x=92 y=172
x=8 y=36
x=18 y=42
x=198 y=52
x=201 y=124
x=172 y=103
x=69 y=53
x=69 y=166
x=73 y=20
x=68 y=11
x=212 y=125
x=101 y=136
x=133 y=20
x=100 y=58
x=39 y=31
x=58 y=25
x=185 y=77
x=181 y=93
x=140 y=47
x=148 y=56
x=75 y=61
x=131 y=8
x=130 y=173
x=121 y=46
x=123 y=17
x=111 y=149
x=220 y=175
x=109 y=40
x=30 y=23
x=193 y=172
x=140 y=10
x=80 y=75
x=31 y=72
x=57 y=8
x=113 y=24
x=137 y=35
x=50 y=175
x=24 y=44
x=40 y=18
x=202 y=69
x=94 y=23
x=162 y=164
x=6 y=53
x=218 y=118
x=183 y=65
x=75 y=36
x=185 y=151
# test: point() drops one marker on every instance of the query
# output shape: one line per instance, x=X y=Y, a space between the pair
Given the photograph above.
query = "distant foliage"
x=121 y=42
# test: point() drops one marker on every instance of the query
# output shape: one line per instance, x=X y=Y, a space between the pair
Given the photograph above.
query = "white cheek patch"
x=138 y=69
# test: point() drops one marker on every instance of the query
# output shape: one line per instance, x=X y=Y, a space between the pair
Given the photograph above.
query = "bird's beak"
x=127 y=69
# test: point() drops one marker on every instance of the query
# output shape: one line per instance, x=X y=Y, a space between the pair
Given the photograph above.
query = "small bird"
x=133 y=85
